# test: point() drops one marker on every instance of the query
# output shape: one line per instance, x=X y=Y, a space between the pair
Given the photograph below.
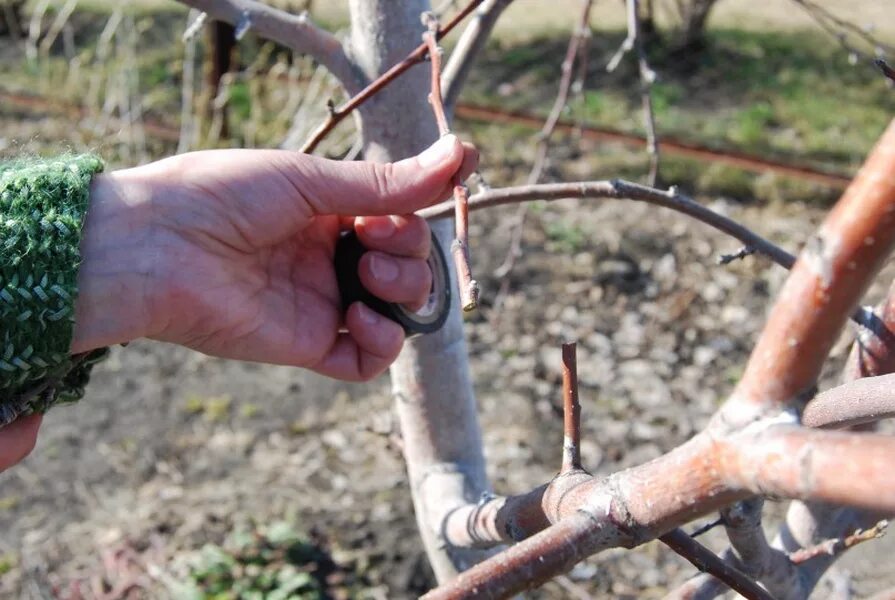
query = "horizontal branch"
x=296 y=32
x=860 y=401
x=850 y=469
x=619 y=189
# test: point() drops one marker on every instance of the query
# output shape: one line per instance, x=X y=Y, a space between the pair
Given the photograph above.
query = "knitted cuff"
x=42 y=208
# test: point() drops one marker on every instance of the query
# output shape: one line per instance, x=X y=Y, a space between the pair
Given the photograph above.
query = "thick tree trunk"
x=431 y=380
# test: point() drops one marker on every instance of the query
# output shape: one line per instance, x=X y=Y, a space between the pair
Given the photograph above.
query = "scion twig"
x=469 y=287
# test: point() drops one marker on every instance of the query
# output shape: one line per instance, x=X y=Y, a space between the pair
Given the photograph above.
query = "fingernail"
x=379 y=228
x=438 y=152
x=368 y=315
x=384 y=269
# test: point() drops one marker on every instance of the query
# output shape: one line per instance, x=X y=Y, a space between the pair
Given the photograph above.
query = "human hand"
x=231 y=253
x=17 y=440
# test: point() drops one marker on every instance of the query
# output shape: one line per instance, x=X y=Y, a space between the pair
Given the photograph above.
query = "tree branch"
x=634 y=41
x=836 y=546
x=770 y=566
x=620 y=189
x=579 y=34
x=706 y=560
x=823 y=288
x=468 y=48
x=850 y=469
x=337 y=114
x=861 y=401
x=296 y=32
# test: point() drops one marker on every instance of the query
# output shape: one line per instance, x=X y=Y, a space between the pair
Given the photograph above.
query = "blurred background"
x=185 y=476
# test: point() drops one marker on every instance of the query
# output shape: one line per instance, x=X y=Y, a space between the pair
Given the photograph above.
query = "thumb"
x=368 y=188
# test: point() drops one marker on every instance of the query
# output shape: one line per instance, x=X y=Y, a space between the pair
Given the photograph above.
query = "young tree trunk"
x=431 y=382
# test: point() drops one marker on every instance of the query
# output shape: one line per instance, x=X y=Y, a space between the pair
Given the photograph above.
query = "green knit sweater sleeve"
x=42 y=208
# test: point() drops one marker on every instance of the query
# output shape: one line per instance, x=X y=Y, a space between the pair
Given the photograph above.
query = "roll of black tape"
x=428 y=319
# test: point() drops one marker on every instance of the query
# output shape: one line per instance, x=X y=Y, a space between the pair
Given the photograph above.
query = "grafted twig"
x=706 y=560
x=836 y=546
x=861 y=401
x=620 y=189
x=337 y=114
x=296 y=32
x=571 y=446
x=469 y=287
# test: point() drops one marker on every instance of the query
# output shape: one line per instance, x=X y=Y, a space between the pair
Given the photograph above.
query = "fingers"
x=366 y=351
x=394 y=279
x=406 y=235
x=17 y=440
x=367 y=188
x=470 y=161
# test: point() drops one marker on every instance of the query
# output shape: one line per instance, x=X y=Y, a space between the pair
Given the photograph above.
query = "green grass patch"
x=793 y=96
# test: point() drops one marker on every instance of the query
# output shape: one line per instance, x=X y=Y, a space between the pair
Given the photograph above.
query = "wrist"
x=117 y=273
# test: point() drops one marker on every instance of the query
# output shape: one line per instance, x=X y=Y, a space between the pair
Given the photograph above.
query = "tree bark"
x=431 y=381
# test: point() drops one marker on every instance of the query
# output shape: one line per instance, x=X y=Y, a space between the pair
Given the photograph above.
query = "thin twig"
x=579 y=33
x=469 y=287
x=634 y=41
x=703 y=529
x=571 y=447
x=888 y=71
x=726 y=259
x=840 y=29
x=706 y=560
x=337 y=114
x=839 y=545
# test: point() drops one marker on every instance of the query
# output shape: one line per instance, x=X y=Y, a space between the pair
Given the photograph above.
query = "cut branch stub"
x=571 y=447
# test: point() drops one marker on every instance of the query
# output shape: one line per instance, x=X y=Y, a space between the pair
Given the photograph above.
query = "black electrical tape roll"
x=428 y=319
